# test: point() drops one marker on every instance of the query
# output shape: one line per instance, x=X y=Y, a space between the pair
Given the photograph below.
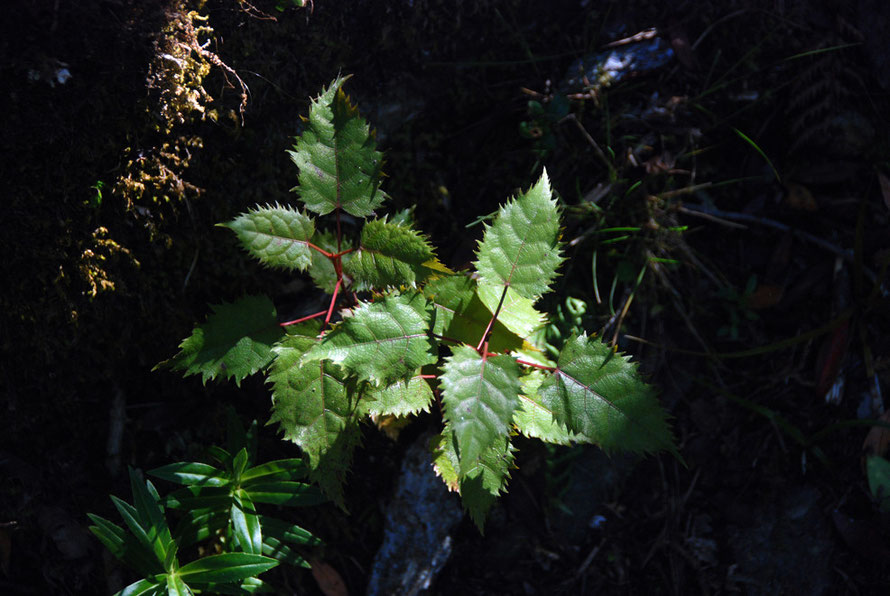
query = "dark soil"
x=772 y=120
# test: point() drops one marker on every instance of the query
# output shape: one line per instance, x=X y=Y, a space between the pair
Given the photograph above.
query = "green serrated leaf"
x=322 y=271
x=276 y=236
x=460 y=315
x=483 y=482
x=381 y=342
x=520 y=249
x=480 y=396
x=533 y=419
x=390 y=254
x=599 y=394
x=518 y=314
x=317 y=408
x=405 y=396
x=339 y=164
x=236 y=341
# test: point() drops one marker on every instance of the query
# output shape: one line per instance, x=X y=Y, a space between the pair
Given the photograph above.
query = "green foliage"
x=402 y=330
x=235 y=342
x=216 y=503
x=878 y=470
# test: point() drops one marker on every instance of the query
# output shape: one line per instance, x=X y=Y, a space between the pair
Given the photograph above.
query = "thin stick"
x=599 y=152
x=847 y=255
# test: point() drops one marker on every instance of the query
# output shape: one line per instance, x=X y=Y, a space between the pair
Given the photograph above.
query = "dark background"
x=113 y=180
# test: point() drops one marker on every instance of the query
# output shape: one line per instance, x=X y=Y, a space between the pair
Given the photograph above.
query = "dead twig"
x=709 y=213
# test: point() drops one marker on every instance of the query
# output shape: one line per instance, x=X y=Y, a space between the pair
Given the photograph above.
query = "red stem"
x=533 y=365
x=493 y=319
x=327 y=319
x=446 y=338
x=428 y=376
x=329 y=255
x=301 y=319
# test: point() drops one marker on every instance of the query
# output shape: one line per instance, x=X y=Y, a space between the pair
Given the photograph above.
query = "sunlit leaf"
x=599 y=394
x=339 y=164
x=479 y=396
x=276 y=236
x=520 y=249
x=381 y=342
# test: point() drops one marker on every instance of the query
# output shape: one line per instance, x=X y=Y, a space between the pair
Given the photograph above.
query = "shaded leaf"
x=483 y=482
x=284 y=492
x=144 y=587
x=339 y=165
x=520 y=249
x=460 y=315
x=236 y=341
x=382 y=341
x=390 y=254
x=599 y=394
x=322 y=271
x=479 y=396
x=280 y=469
x=878 y=470
x=317 y=408
x=877 y=441
x=276 y=236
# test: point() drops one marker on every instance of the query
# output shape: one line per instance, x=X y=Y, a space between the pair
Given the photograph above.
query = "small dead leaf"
x=799 y=197
x=877 y=441
x=329 y=581
x=831 y=358
x=391 y=425
x=765 y=296
x=681 y=46
x=885 y=188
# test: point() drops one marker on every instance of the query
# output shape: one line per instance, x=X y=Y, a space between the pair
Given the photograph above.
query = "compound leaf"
x=405 y=396
x=277 y=236
x=599 y=394
x=316 y=407
x=339 y=164
x=236 y=341
x=390 y=254
x=479 y=395
x=381 y=342
x=520 y=249
x=460 y=315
